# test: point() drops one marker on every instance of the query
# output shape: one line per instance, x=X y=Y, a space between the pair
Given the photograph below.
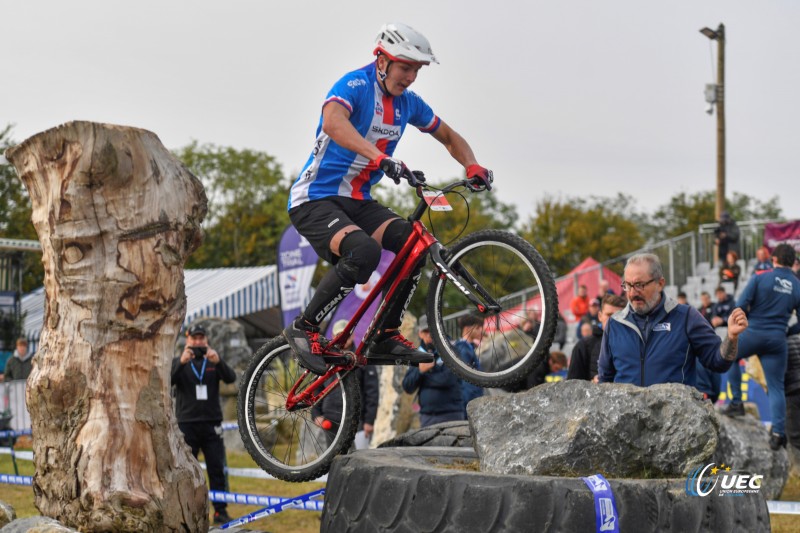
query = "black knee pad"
x=359 y=257
x=396 y=235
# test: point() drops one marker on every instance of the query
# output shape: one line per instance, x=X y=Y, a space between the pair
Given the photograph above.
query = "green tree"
x=15 y=215
x=247 y=197
x=470 y=212
x=686 y=212
x=567 y=230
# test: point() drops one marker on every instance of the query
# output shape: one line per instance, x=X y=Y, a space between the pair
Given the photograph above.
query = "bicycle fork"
x=490 y=305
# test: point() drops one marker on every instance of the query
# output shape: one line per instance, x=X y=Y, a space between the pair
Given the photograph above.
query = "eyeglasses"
x=638 y=286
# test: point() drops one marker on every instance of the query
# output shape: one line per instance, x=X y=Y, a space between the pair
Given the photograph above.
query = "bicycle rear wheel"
x=501 y=268
x=290 y=445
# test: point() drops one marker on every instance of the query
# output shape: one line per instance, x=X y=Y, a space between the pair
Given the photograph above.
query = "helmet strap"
x=382 y=74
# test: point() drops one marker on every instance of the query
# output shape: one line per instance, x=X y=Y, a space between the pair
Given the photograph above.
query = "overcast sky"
x=559 y=97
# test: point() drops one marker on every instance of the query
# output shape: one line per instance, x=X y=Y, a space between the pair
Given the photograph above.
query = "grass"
x=21 y=497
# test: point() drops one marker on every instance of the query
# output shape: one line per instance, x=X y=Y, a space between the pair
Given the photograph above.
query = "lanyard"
x=202 y=370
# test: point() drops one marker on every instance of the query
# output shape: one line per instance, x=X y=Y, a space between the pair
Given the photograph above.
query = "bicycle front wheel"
x=514 y=285
x=297 y=445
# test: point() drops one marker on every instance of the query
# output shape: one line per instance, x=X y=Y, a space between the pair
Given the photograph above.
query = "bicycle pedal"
x=345 y=359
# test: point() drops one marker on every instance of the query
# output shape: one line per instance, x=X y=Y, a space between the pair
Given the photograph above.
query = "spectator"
x=706 y=306
x=708 y=382
x=602 y=290
x=796 y=267
x=532 y=322
x=655 y=339
x=586 y=330
x=19 y=366
x=592 y=316
x=196 y=374
x=722 y=308
x=440 y=398
x=555 y=362
x=792 y=390
x=580 y=303
x=769 y=301
x=330 y=408
x=731 y=271
x=682 y=298
x=762 y=261
x=727 y=236
x=561 y=331
x=585 y=354
x=471 y=335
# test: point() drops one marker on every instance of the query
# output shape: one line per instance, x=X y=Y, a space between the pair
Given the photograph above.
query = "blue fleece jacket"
x=769 y=300
x=661 y=347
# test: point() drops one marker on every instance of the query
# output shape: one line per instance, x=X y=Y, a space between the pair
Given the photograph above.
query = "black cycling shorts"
x=319 y=220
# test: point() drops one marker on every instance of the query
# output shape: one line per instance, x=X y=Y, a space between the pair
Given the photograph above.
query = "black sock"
x=327 y=296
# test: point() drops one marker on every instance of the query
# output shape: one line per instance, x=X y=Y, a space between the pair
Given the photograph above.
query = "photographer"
x=196 y=375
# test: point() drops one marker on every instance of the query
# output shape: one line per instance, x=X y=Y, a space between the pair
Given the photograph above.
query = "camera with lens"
x=199 y=351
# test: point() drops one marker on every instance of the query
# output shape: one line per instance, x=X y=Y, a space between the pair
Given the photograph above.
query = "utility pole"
x=719 y=36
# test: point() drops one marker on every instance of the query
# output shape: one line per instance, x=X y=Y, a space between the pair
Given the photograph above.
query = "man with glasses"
x=657 y=340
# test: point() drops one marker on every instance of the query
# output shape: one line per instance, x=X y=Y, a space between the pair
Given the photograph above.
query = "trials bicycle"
x=490 y=273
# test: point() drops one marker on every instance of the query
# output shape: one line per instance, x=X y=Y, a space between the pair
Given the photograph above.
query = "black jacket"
x=583 y=363
x=187 y=407
x=792 y=379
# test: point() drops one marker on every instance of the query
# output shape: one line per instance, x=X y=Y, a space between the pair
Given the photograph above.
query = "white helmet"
x=403 y=43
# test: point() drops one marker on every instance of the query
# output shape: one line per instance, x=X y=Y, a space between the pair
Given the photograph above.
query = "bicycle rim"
x=516 y=277
x=290 y=445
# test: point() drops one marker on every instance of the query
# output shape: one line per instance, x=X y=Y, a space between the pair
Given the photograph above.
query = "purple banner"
x=353 y=301
x=297 y=262
x=788 y=232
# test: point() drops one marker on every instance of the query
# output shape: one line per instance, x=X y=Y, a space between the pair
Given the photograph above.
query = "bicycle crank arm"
x=491 y=306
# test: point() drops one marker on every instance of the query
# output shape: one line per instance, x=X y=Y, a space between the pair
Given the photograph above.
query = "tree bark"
x=117 y=216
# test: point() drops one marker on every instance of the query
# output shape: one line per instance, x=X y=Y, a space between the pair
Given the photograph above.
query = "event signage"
x=788 y=232
x=297 y=262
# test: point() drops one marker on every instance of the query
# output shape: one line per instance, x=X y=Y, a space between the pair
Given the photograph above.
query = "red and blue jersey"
x=380 y=118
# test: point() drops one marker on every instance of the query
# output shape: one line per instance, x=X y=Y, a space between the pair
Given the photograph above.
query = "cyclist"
x=363 y=118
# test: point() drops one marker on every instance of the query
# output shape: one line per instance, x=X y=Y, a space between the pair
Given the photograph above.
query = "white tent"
x=212 y=292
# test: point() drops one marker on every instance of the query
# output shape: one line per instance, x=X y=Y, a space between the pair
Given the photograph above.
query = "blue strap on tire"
x=605 y=508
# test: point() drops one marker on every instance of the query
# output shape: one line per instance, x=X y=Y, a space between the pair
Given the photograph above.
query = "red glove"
x=479 y=178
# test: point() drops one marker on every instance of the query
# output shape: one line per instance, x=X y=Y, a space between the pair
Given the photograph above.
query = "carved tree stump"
x=117 y=216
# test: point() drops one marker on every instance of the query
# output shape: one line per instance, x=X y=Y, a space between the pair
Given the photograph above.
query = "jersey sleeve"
x=348 y=91
x=422 y=116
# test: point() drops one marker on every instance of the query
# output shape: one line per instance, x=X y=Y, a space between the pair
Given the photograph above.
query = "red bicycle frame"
x=419 y=243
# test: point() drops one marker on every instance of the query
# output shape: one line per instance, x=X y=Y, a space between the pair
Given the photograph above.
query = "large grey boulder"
x=744 y=446
x=578 y=428
x=36 y=524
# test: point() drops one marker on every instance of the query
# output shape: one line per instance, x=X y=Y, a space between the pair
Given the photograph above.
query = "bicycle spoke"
x=507 y=270
x=289 y=444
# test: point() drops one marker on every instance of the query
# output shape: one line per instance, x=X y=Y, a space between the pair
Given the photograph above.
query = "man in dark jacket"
x=196 y=375
x=723 y=307
x=769 y=299
x=655 y=339
x=439 y=389
x=583 y=363
x=20 y=364
x=726 y=236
